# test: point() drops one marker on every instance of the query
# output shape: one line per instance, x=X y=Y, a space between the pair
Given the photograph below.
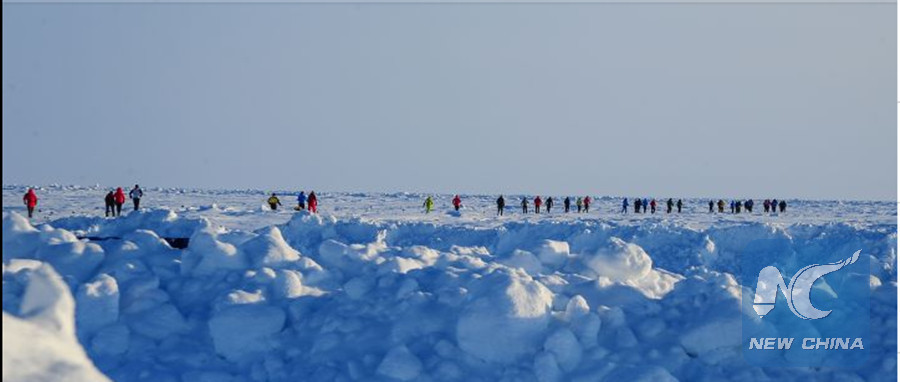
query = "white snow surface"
x=39 y=342
x=374 y=289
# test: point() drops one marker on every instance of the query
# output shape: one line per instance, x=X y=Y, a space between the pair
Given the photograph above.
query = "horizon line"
x=294 y=190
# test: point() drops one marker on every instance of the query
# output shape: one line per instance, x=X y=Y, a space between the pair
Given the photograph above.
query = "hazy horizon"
x=292 y=191
x=698 y=100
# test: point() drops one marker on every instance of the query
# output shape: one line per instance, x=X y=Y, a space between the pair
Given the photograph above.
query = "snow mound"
x=40 y=344
x=553 y=253
x=207 y=255
x=627 y=264
x=620 y=261
x=506 y=318
x=18 y=236
x=97 y=304
x=270 y=250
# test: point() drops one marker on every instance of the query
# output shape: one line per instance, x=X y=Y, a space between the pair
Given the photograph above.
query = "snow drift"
x=39 y=341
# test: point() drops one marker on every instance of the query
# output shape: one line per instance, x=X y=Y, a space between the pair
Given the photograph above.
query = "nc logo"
x=797 y=292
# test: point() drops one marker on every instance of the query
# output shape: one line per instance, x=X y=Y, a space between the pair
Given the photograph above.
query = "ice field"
x=372 y=288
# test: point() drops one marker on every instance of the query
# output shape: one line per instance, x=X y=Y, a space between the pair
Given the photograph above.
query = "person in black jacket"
x=110 y=204
x=524 y=205
x=549 y=203
x=501 y=204
x=566 y=203
x=680 y=204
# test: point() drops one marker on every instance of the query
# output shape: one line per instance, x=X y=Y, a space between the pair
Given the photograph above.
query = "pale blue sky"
x=725 y=100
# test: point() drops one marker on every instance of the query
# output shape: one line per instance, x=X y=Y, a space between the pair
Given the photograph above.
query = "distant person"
x=537 y=204
x=567 y=203
x=644 y=204
x=749 y=206
x=766 y=204
x=782 y=206
x=274 y=202
x=501 y=204
x=136 y=194
x=737 y=206
x=653 y=206
x=120 y=200
x=313 y=202
x=549 y=203
x=524 y=205
x=579 y=204
x=721 y=206
x=429 y=204
x=30 y=199
x=669 y=205
x=587 y=204
x=774 y=205
x=711 y=204
x=301 y=201
x=456 y=202
x=624 y=205
x=110 y=201
x=637 y=205
x=732 y=206
x=679 y=204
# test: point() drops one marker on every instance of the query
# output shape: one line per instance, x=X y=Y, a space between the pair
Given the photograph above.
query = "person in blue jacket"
x=644 y=204
x=301 y=201
x=625 y=205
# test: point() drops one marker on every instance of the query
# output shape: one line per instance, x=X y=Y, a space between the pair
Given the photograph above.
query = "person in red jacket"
x=537 y=204
x=313 y=202
x=587 y=204
x=30 y=200
x=457 y=202
x=120 y=200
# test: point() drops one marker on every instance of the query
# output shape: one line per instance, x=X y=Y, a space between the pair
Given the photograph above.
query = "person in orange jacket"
x=457 y=202
x=120 y=200
x=30 y=199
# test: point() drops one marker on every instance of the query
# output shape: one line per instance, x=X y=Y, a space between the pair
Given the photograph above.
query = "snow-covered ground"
x=373 y=289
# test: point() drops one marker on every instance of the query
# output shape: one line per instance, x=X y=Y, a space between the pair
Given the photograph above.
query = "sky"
x=662 y=100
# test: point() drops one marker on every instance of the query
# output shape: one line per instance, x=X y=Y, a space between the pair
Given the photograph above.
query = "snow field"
x=321 y=297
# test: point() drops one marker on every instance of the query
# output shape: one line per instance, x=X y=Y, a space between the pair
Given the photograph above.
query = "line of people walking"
x=114 y=200
x=583 y=204
x=304 y=202
x=737 y=206
x=640 y=205
x=429 y=203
